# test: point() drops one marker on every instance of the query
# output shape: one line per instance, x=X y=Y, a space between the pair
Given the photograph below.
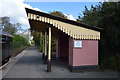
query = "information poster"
x=77 y=44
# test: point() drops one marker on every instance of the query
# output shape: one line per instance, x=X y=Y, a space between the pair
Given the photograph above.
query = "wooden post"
x=41 y=45
x=49 y=52
x=45 y=56
x=40 y=40
x=43 y=39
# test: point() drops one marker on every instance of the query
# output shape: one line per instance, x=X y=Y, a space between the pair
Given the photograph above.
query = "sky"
x=68 y=8
x=15 y=9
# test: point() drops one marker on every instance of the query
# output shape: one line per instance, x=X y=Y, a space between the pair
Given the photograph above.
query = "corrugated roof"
x=6 y=34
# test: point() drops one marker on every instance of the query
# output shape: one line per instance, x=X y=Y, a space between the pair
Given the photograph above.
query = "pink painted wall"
x=57 y=48
x=87 y=55
x=62 y=46
x=70 y=51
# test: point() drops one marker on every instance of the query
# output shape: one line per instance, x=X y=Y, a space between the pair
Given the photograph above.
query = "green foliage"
x=39 y=37
x=59 y=14
x=19 y=41
x=106 y=16
x=32 y=43
x=53 y=45
x=36 y=37
x=7 y=26
x=42 y=36
x=109 y=62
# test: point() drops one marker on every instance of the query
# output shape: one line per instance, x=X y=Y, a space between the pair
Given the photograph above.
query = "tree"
x=36 y=37
x=59 y=14
x=7 y=26
x=5 y=21
x=24 y=32
x=107 y=16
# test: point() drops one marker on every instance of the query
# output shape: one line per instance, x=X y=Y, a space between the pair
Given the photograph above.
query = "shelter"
x=76 y=42
x=5 y=47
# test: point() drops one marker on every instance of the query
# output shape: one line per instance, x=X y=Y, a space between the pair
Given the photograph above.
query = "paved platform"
x=29 y=64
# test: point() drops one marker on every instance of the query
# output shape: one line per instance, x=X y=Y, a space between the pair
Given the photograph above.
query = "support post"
x=40 y=40
x=49 y=52
x=45 y=56
x=41 y=45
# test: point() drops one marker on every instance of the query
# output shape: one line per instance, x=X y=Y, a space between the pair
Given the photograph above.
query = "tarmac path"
x=29 y=64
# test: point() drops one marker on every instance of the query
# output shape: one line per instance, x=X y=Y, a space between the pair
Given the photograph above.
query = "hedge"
x=19 y=41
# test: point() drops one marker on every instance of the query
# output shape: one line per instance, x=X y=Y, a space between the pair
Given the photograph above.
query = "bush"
x=19 y=41
x=109 y=62
x=114 y=62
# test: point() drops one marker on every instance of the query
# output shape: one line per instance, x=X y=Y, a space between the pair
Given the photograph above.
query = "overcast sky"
x=15 y=9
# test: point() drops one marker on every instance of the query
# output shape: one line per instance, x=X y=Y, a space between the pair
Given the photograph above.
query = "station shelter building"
x=76 y=42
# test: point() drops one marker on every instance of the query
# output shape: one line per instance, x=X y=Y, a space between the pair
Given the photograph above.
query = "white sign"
x=77 y=44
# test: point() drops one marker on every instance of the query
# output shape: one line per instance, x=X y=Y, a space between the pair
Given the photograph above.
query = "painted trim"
x=6 y=34
x=76 y=32
x=61 y=19
x=73 y=29
x=49 y=46
x=82 y=68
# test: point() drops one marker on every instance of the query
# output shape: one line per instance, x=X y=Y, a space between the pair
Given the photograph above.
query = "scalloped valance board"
x=74 y=31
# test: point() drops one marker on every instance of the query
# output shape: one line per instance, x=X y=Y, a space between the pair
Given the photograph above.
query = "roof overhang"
x=39 y=21
x=6 y=34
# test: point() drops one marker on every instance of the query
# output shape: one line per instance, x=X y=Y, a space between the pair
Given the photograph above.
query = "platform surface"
x=29 y=64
